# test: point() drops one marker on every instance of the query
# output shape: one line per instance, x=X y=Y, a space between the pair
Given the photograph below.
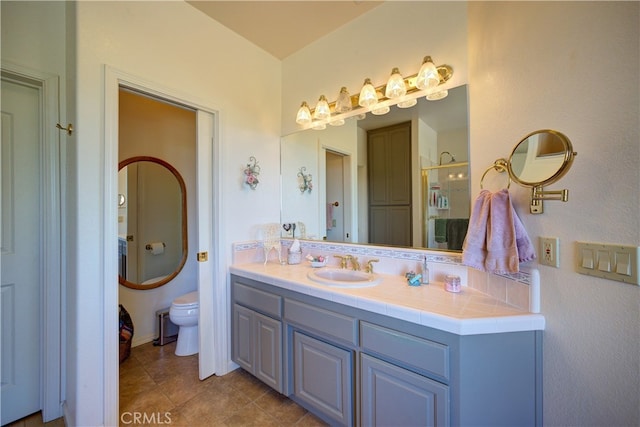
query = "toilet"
x=184 y=314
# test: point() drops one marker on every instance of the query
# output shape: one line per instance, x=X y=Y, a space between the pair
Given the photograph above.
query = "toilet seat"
x=186 y=301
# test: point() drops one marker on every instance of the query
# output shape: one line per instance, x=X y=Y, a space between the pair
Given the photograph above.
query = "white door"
x=20 y=257
x=206 y=196
x=335 y=198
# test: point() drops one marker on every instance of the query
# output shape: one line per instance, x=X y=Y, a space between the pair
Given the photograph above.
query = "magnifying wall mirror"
x=541 y=158
x=152 y=224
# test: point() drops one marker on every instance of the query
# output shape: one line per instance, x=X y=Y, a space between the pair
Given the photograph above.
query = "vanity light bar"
x=445 y=72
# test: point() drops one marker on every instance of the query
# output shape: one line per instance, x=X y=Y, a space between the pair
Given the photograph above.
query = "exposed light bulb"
x=428 y=76
x=343 y=103
x=435 y=96
x=395 y=85
x=304 y=115
x=322 y=111
x=368 y=95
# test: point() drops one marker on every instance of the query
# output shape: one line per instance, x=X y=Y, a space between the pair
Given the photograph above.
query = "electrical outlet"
x=550 y=251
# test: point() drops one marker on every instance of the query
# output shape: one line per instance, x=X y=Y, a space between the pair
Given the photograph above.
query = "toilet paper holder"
x=148 y=247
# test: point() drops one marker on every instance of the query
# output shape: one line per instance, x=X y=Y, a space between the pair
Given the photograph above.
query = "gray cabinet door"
x=257 y=345
x=268 y=350
x=322 y=376
x=393 y=396
x=243 y=337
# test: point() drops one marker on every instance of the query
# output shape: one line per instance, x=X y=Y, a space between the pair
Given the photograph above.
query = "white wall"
x=568 y=66
x=175 y=46
x=534 y=66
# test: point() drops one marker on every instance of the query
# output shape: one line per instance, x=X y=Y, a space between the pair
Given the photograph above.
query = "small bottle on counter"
x=452 y=283
x=425 y=271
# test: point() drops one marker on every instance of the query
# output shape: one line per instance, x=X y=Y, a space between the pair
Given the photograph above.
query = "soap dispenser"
x=425 y=271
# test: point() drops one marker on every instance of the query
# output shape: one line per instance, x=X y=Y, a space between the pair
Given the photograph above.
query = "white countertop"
x=469 y=312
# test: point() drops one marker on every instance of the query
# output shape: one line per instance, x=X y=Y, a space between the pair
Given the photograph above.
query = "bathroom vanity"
x=363 y=357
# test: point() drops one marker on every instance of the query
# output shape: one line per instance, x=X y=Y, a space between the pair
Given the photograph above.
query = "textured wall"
x=571 y=67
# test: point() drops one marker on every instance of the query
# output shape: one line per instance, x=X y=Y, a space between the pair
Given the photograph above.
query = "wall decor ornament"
x=251 y=173
x=305 y=180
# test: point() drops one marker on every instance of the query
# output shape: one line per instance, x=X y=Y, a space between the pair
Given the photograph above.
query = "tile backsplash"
x=520 y=290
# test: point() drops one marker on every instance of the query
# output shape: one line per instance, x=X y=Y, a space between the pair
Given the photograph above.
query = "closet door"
x=389 y=168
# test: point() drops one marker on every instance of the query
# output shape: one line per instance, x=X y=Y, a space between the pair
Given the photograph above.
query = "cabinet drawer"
x=258 y=300
x=321 y=320
x=408 y=350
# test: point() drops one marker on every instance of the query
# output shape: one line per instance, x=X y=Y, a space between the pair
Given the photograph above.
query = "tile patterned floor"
x=35 y=420
x=164 y=387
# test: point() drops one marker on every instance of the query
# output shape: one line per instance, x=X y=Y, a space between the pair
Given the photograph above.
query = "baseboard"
x=67 y=416
x=139 y=340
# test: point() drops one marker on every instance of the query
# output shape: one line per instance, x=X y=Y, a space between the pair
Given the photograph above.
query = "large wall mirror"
x=152 y=222
x=399 y=179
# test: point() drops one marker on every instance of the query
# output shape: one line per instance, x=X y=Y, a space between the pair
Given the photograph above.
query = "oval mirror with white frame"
x=541 y=158
x=152 y=224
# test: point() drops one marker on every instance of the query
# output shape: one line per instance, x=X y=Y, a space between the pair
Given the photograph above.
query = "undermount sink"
x=343 y=278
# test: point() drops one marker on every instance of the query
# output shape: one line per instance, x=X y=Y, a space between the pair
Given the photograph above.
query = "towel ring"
x=500 y=166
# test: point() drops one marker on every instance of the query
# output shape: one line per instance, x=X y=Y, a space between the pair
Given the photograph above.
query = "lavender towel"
x=506 y=242
x=474 y=247
x=502 y=252
x=329 y=216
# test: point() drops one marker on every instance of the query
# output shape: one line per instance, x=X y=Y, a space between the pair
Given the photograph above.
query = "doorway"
x=213 y=309
x=336 y=177
x=335 y=197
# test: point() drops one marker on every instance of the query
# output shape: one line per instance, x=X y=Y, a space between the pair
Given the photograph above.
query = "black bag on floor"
x=126 y=333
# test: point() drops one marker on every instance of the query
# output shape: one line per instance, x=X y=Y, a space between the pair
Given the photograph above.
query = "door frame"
x=51 y=213
x=213 y=307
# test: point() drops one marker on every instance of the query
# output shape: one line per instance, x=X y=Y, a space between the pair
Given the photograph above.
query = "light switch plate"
x=613 y=262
